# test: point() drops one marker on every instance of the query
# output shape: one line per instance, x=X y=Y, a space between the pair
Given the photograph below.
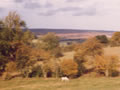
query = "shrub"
x=69 y=68
x=115 y=39
x=106 y=64
x=36 y=71
x=102 y=38
x=6 y=76
x=11 y=67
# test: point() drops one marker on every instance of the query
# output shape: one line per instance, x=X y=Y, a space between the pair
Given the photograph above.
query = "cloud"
x=74 y=0
x=48 y=5
x=19 y=1
x=87 y=12
x=75 y=11
x=55 y=11
x=2 y=9
x=68 y=9
x=49 y=13
x=32 y=5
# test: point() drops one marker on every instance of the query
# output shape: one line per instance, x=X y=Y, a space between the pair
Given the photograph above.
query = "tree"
x=13 y=28
x=69 y=68
x=4 y=54
x=102 y=38
x=13 y=21
x=50 y=41
x=91 y=47
x=115 y=39
x=13 y=40
x=28 y=37
x=80 y=59
x=43 y=57
x=106 y=64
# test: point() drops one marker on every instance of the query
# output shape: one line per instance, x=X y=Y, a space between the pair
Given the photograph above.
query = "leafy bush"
x=115 y=39
x=102 y=38
x=36 y=72
x=69 y=68
x=106 y=64
x=6 y=76
x=11 y=67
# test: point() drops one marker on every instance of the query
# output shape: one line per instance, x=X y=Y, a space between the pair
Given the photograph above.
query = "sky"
x=66 y=14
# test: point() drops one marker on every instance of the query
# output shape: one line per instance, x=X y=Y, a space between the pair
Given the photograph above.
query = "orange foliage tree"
x=115 y=39
x=91 y=47
x=69 y=68
x=106 y=64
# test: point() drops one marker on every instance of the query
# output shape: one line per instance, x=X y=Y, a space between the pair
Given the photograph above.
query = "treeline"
x=21 y=56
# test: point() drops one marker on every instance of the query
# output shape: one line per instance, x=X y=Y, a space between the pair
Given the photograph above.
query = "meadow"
x=82 y=83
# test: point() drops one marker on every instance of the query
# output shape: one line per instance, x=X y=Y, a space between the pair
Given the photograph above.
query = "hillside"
x=73 y=33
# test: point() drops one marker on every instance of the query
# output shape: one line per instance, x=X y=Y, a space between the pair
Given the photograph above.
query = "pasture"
x=82 y=83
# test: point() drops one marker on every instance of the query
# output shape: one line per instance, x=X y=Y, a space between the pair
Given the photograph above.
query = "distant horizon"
x=73 y=29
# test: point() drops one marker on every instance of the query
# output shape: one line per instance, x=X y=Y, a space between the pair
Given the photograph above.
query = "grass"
x=83 y=83
x=112 y=51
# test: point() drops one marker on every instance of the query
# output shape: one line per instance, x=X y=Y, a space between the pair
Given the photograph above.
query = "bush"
x=106 y=64
x=11 y=67
x=6 y=76
x=69 y=68
x=115 y=39
x=36 y=72
x=102 y=38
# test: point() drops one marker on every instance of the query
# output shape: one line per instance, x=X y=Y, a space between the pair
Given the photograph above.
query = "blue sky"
x=68 y=14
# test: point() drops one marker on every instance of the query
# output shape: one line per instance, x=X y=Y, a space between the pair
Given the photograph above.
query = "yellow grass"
x=82 y=83
x=112 y=51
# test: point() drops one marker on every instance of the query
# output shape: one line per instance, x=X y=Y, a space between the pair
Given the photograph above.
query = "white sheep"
x=64 y=78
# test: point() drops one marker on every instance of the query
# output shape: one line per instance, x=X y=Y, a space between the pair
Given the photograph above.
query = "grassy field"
x=83 y=83
x=112 y=51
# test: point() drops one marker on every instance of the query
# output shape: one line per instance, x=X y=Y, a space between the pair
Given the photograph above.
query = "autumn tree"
x=69 y=68
x=115 y=39
x=80 y=59
x=41 y=59
x=54 y=64
x=91 y=47
x=106 y=64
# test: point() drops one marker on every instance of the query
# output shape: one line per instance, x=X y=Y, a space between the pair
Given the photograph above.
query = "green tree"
x=13 y=40
x=102 y=38
x=50 y=41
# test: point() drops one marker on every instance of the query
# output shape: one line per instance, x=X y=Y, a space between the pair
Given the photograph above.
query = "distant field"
x=112 y=51
x=68 y=55
x=83 y=83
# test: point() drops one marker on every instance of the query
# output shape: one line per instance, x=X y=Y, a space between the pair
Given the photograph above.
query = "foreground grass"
x=83 y=83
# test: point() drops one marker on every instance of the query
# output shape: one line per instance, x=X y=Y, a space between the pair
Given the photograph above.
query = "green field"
x=83 y=83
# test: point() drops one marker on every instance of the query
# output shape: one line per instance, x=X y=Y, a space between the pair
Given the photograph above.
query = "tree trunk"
x=107 y=73
x=44 y=74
